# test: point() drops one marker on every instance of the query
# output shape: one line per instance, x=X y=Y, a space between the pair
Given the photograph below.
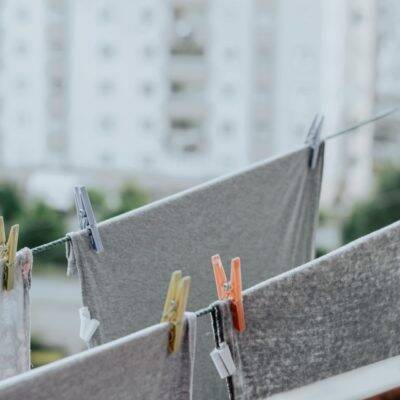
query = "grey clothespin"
x=313 y=139
x=86 y=217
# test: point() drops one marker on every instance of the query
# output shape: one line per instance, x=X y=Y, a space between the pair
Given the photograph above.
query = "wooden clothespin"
x=230 y=290
x=313 y=139
x=8 y=251
x=86 y=218
x=175 y=307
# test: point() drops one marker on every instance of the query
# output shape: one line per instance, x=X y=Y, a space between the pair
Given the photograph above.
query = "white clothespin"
x=313 y=139
x=88 y=325
x=86 y=217
x=223 y=361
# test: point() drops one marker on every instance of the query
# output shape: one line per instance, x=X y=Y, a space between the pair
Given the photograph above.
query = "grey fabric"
x=135 y=367
x=15 y=325
x=265 y=214
x=332 y=315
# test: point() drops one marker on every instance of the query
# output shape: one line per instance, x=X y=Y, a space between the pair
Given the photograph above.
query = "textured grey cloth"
x=332 y=315
x=135 y=367
x=265 y=214
x=15 y=322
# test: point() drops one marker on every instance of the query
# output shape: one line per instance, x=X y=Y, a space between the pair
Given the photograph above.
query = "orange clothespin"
x=175 y=307
x=230 y=290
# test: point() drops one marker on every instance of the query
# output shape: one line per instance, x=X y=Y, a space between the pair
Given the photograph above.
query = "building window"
x=146 y=16
x=106 y=87
x=147 y=124
x=230 y=54
x=107 y=50
x=149 y=52
x=262 y=127
x=183 y=123
x=21 y=48
x=22 y=14
x=228 y=90
x=106 y=158
x=57 y=83
x=147 y=161
x=21 y=84
x=105 y=15
x=147 y=88
x=107 y=123
x=22 y=118
x=177 y=87
x=227 y=128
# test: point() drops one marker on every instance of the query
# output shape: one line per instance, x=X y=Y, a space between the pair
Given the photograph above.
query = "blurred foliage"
x=321 y=251
x=42 y=354
x=131 y=197
x=323 y=217
x=10 y=202
x=99 y=203
x=40 y=223
x=381 y=209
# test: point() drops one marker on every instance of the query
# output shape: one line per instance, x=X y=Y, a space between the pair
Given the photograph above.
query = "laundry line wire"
x=48 y=246
x=362 y=123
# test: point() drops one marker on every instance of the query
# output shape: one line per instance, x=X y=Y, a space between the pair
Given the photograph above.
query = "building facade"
x=173 y=93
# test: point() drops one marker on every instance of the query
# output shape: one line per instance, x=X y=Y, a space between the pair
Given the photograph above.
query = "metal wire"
x=204 y=311
x=48 y=246
x=362 y=123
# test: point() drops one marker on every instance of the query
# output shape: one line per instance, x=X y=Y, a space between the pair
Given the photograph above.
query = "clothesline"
x=50 y=245
x=363 y=123
x=267 y=358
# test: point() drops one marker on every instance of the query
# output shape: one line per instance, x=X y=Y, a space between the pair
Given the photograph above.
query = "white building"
x=173 y=93
x=23 y=85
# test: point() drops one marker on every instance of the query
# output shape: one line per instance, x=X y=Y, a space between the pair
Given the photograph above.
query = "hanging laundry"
x=15 y=322
x=332 y=315
x=265 y=213
x=375 y=381
x=135 y=367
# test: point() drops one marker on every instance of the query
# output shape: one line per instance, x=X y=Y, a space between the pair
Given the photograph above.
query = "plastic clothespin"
x=8 y=251
x=230 y=290
x=175 y=307
x=86 y=217
x=313 y=139
x=223 y=361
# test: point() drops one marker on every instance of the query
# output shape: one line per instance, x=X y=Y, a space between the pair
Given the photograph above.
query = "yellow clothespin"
x=175 y=307
x=8 y=253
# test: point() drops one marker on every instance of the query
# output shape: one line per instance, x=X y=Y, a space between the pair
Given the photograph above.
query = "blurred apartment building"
x=175 y=92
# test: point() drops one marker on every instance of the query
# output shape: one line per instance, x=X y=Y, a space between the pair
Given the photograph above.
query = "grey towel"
x=15 y=323
x=265 y=214
x=334 y=314
x=135 y=367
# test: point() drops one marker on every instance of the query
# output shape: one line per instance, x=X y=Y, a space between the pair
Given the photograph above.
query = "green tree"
x=40 y=224
x=99 y=204
x=131 y=197
x=11 y=204
x=381 y=209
